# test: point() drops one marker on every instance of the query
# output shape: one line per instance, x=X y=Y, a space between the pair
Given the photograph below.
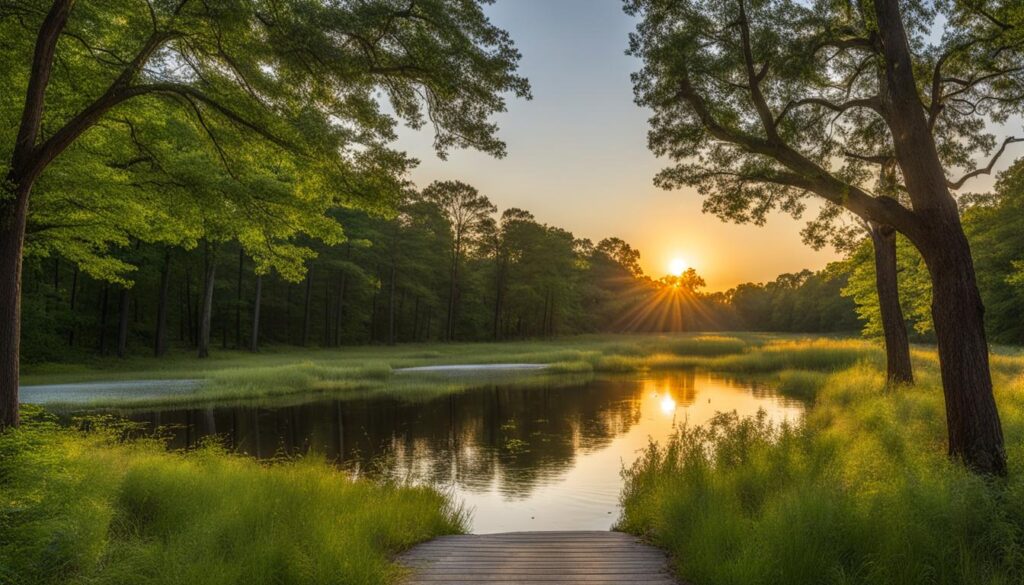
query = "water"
x=521 y=458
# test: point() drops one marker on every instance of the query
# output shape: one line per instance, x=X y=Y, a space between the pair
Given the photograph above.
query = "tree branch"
x=42 y=66
x=872 y=103
x=956 y=185
x=816 y=179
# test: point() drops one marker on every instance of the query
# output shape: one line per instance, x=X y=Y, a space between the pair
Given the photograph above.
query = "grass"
x=83 y=508
x=859 y=492
x=239 y=376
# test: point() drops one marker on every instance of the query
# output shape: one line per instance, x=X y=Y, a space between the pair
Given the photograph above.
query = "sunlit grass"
x=84 y=508
x=274 y=375
x=860 y=492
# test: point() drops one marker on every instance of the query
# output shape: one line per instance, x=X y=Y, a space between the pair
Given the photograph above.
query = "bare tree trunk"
x=449 y=330
x=238 y=300
x=327 y=313
x=416 y=319
x=190 y=319
x=103 y=319
x=210 y=273
x=160 y=341
x=308 y=307
x=254 y=340
x=391 y=306
x=122 y=324
x=339 y=306
x=71 y=307
x=897 y=345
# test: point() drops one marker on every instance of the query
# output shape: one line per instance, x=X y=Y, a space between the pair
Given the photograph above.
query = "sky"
x=578 y=158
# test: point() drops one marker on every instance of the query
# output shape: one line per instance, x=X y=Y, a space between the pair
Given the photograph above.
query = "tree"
x=467 y=212
x=299 y=77
x=778 y=101
x=995 y=226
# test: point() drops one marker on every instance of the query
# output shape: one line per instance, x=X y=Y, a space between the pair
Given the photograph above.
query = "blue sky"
x=578 y=158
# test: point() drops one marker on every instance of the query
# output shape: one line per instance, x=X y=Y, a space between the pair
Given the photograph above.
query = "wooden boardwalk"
x=542 y=558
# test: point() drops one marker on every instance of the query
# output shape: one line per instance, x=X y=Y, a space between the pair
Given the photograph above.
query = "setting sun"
x=677 y=266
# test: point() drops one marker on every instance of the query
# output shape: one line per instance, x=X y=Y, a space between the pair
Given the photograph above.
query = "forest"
x=273 y=311
x=447 y=266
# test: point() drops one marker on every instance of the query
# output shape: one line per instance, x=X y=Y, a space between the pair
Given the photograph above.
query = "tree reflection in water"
x=512 y=452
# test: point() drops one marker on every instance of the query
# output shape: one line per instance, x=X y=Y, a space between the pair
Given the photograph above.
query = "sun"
x=677 y=266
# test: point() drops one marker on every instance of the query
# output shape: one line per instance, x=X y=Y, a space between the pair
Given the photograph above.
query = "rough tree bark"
x=13 y=213
x=974 y=428
x=897 y=345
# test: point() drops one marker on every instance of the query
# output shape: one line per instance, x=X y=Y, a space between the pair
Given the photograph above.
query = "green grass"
x=241 y=376
x=269 y=376
x=860 y=492
x=83 y=508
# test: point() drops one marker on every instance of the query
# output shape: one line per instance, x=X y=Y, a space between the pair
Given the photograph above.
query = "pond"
x=522 y=457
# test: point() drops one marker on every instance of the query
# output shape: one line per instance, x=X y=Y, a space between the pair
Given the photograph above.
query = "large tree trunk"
x=13 y=215
x=210 y=273
x=972 y=419
x=160 y=341
x=897 y=346
x=975 y=432
x=124 y=300
x=254 y=340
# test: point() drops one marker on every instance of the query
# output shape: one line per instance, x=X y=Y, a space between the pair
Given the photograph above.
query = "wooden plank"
x=542 y=558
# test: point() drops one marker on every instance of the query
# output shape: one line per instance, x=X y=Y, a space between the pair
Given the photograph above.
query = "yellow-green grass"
x=83 y=508
x=238 y=376
x=859 y=492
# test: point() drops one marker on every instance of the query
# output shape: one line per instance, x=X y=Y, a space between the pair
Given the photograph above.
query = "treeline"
x=447 y=266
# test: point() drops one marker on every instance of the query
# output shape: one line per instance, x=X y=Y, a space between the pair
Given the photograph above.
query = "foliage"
x=83 y=507
x=804 y=301
x=994 y=224
x=762 y=104
x=914 y=286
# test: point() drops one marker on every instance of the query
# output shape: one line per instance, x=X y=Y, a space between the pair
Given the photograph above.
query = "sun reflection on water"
x=668 y=404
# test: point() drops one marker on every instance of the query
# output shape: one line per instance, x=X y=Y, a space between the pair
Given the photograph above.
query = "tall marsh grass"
x=82 y=508
x=860 y=492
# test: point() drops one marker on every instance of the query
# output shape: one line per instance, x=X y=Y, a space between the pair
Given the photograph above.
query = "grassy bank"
x=271 y=375
x=83 y=508
x=860 y=492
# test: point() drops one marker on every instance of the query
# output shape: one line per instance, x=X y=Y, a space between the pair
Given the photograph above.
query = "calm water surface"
x=521 y=458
